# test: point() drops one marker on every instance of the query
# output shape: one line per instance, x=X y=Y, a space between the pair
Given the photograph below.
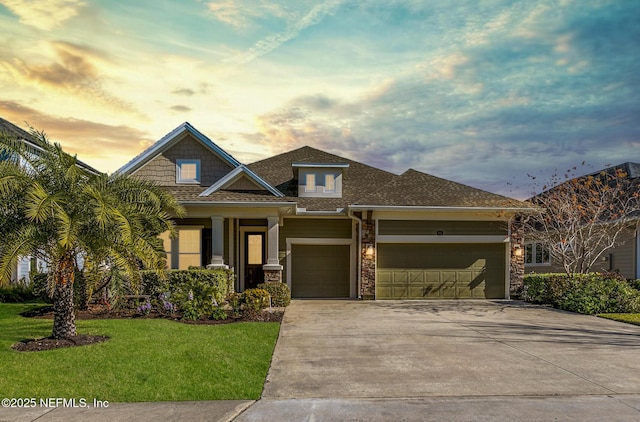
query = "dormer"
x=319 y=180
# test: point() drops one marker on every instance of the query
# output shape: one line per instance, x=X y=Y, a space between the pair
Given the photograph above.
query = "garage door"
x=320 y=271
x=446 y=271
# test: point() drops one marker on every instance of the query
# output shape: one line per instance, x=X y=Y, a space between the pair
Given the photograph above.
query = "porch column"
x=272 y=269
x=217 y=243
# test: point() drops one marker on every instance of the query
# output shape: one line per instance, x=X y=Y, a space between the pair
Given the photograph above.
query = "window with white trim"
x=187 y=171
x=329 y=182
x=310 y=183
x=536 y=253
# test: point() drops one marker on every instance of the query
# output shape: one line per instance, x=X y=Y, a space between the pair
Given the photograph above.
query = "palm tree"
x=52 y=204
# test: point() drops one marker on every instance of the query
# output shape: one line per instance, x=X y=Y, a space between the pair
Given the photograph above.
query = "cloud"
x=184 y=91
x=74 y=69
x=93 y=142
x=294 y=28
x=45 y=15
x=180 y=108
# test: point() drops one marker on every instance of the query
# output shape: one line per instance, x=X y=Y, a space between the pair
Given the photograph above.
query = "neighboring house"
x=624 y=258
x=27 y=263
x=331 y=227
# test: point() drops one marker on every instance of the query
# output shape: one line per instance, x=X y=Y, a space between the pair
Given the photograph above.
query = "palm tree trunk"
x=64 y=320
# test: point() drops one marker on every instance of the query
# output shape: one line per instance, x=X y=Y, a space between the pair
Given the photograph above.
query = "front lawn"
x=629 y=318
x=144 y=360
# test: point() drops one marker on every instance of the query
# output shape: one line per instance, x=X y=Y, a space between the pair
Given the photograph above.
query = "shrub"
x=635 y=284
x=583 y=293
x=218 y=314
x=15 y=293
x=280 y=293
x=172 y=281
x=194 y=292
x=235 y=301
x=255 y=300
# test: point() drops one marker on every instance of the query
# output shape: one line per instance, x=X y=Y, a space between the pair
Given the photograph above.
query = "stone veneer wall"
x=368 y=274
x=516 y=268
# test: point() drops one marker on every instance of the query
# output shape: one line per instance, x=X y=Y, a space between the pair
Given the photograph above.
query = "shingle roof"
x=366 y=185
x=358 y=178
x=414 y=188
x=192 y=194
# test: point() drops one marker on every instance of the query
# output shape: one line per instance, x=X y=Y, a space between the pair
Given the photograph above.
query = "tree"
x=579 y=219
x=53 y=206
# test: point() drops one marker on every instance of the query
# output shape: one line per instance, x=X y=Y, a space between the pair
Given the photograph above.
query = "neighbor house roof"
x=33 y=144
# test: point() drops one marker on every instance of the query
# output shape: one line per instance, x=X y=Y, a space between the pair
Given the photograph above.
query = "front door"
x=254 y=252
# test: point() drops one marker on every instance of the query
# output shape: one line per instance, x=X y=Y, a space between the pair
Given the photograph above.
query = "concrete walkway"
x=434 y=360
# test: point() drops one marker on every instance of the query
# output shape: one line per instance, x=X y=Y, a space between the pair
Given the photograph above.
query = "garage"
x=320 y=271
x=440 y=271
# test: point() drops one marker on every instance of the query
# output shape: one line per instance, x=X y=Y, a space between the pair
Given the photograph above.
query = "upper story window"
x=187 y=171
x=536 y=254
x=320 y=180
x=310 y=182
x=329 y=182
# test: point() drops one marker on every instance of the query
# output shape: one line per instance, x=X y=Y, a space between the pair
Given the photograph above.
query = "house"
x=331 y=227
x=27 y=263
x=623 y=258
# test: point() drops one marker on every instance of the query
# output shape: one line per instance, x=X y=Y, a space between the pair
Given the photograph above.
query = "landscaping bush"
x=16 y=293
x=635 y=284
x=591 y=293
x=280 y=293
x=255 y=300
x=196 y=293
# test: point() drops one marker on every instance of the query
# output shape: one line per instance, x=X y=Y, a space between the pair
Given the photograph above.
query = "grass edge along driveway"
x=628 y=318
x=144 y=360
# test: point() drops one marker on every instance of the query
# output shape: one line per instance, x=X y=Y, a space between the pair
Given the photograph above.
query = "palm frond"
x=19 y=244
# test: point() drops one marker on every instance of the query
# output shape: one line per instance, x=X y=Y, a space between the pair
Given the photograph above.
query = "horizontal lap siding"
x=314 y=228
x=457 y=228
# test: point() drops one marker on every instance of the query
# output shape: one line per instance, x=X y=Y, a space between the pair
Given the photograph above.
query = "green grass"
x=629 y=318
x=144 y=360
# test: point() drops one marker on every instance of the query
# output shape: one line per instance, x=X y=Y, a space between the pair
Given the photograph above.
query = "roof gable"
x=168 y=141
x=241 y=172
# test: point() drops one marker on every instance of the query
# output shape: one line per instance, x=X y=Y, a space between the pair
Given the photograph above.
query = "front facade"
x=331 y=227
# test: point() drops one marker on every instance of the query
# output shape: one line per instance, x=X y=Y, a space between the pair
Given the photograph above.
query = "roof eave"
x=439 y=208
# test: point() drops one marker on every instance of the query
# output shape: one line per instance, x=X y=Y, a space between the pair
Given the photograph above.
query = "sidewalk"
x=222 y=410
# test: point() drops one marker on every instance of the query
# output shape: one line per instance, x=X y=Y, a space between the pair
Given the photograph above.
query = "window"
x=184 y=251
x=188 y=248
x=536 y=254
x=329 y=183
x=310 y=185
x=188 y=171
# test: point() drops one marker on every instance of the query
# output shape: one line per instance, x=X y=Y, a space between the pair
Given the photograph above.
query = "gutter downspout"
x=359 y=255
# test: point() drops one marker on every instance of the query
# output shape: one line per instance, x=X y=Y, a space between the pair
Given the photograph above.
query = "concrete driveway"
x=429 y=349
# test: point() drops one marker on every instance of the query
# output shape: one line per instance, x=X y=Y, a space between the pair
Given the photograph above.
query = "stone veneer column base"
x=272 y=276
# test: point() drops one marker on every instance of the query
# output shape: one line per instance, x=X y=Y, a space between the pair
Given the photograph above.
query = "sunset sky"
x=480 y=92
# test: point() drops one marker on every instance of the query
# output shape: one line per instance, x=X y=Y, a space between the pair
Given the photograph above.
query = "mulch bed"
x=102 y=312
x=48 y=343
